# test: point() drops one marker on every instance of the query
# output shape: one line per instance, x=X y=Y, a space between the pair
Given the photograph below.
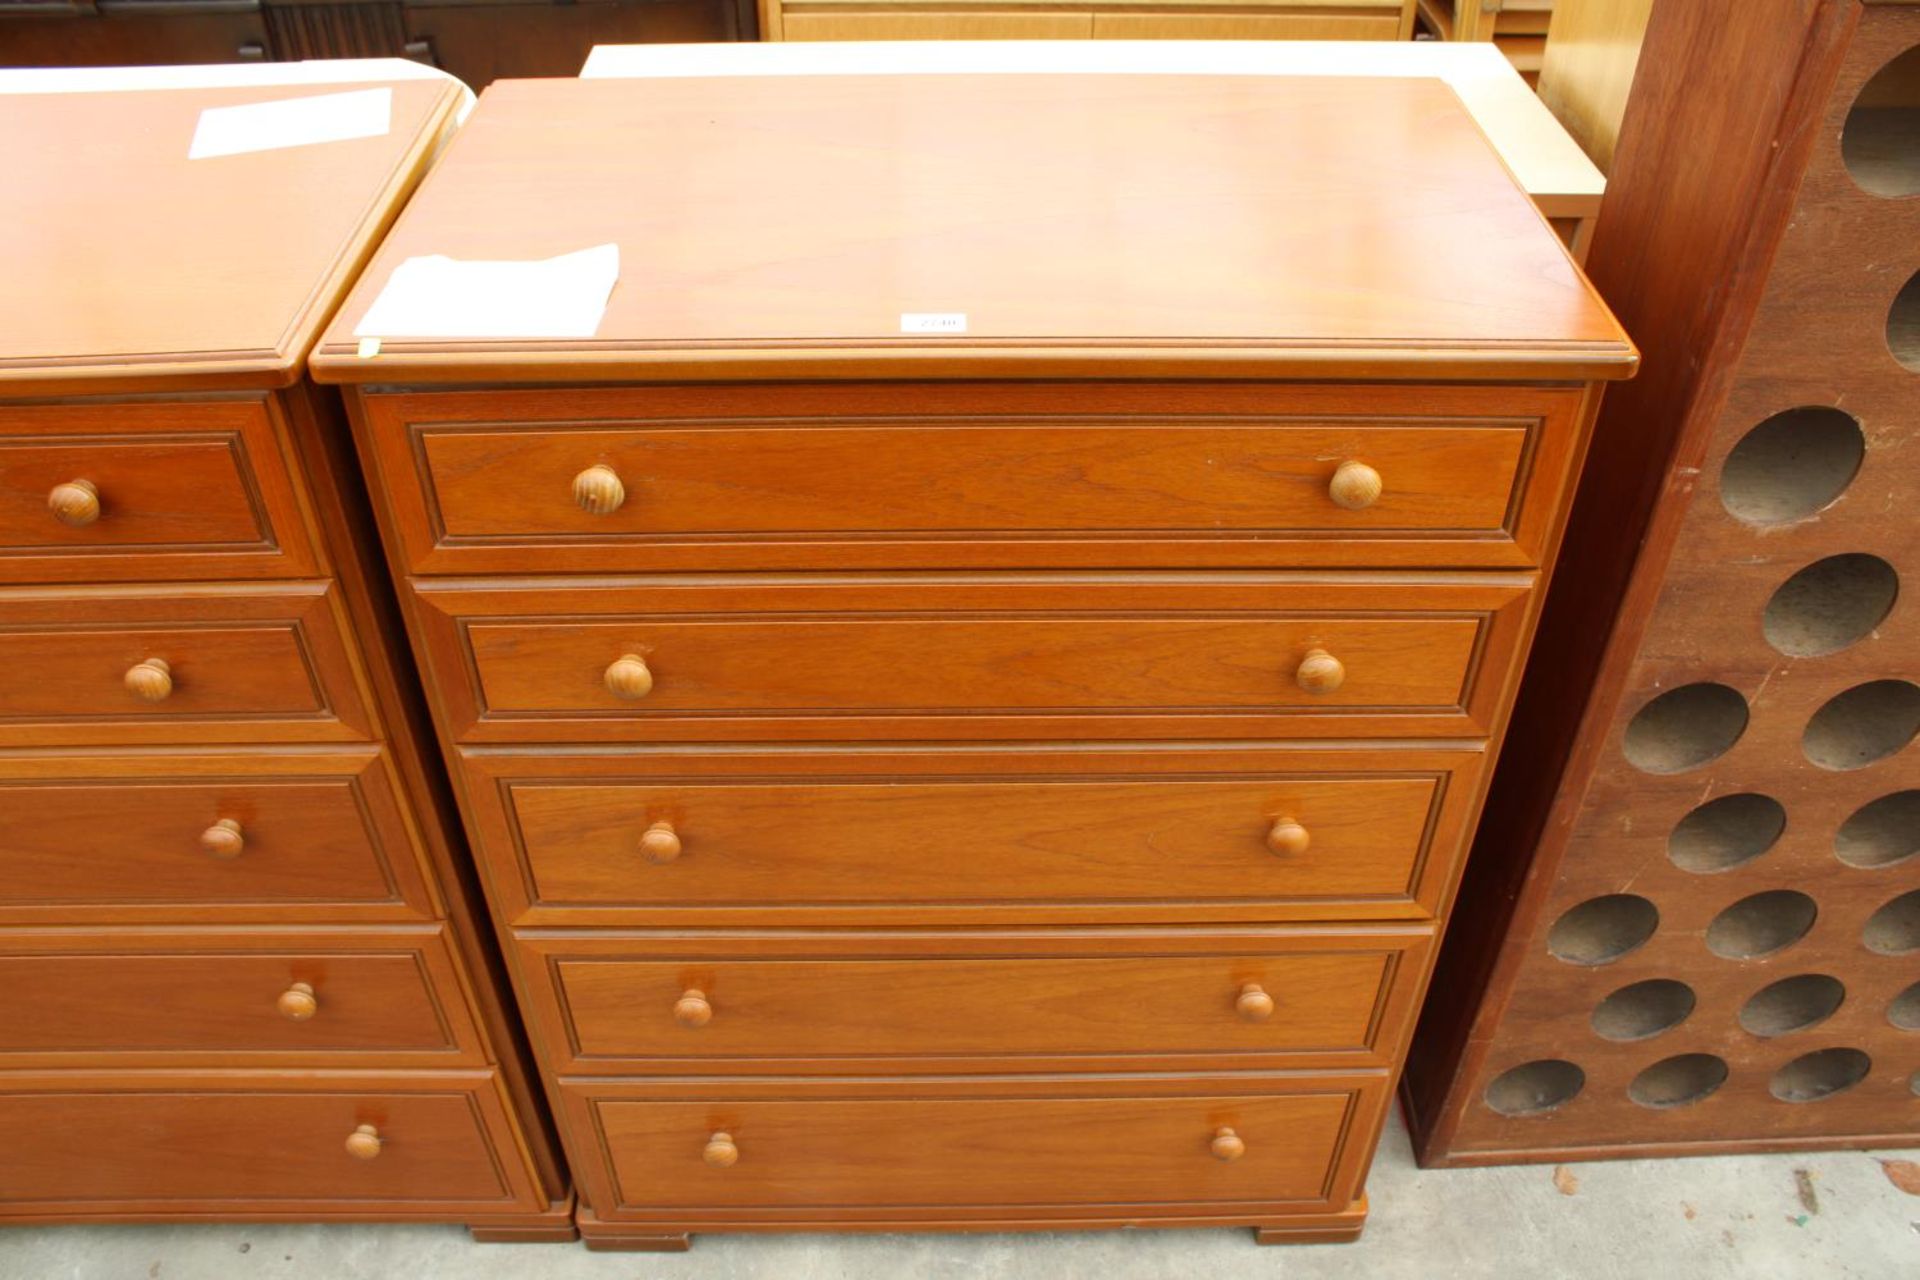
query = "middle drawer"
x=386 y=997
x=954 y=656
x=875 y=1001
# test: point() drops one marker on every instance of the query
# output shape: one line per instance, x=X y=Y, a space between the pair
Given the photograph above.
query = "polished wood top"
x=1085 y=225
x=127 y=266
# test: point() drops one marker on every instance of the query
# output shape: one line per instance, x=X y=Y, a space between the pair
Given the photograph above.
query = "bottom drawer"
x=697 y=1155
x=239 y=1145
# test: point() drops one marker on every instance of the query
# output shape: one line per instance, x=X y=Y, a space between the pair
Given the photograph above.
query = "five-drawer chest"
x=969 y=690
x=241 y=976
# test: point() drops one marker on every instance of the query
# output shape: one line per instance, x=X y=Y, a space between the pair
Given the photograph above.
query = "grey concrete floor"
x=1750 y=1217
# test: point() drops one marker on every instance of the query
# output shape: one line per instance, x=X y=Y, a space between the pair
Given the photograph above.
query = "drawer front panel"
x=938 y=25
x=1174 y=25
x=237 y=1144
x=1100 y=1000
x=535 y=663
x=266 y=665
x=179 y=490
x=919 y=830
x=369 y=997
x=970 y=477
x=265 y=835
x=1046 y=1150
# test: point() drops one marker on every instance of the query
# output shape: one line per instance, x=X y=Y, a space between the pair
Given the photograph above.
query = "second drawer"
x=1036 y=1000
x=338 y=998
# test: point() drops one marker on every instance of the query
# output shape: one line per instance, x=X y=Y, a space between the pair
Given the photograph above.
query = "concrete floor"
x=1751 y=1217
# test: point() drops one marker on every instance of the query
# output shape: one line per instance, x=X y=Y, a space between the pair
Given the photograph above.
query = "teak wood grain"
x=95 y=838
x=977 y=475
x=175 y=997
x=265 y=663
x=1236 y=249
x=1029 y=656
x=183 y=488
x=882 y=1151
x=259 y=1146
x=944 y=1003
x=973 y=835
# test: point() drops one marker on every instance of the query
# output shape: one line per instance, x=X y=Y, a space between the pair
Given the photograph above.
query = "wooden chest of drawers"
x=240 y=977
x=994 y=781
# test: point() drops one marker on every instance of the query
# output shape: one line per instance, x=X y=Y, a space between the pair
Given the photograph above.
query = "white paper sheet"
x=292 y=122
x=442 y=297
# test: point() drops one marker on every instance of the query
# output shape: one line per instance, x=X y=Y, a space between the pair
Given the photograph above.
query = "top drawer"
x=842 y=477
x=147 y=492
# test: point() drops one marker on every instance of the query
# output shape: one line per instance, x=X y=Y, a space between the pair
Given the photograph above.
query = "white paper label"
x=933 y=322
x=292 y=122
x=442 y=297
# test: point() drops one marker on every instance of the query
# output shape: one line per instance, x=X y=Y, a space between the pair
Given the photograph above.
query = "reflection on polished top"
x=1111 y=225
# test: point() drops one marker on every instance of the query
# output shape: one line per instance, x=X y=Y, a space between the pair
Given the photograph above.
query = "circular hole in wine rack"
x=1792 y=1004
x=1678 y=1081
x=1642 y=1010
x=1881 y=833
x=1726 y=833
x=1863 y=725
x=1903 y=325
x=1820 y=1074
x=1761 y=924
x=1881 y=140
x=1685 y=728
x=1894 y=929
x=1792 y=465
x=1601 y=930
x=1535 y=1087
x=1830 y=605
x=1904 y=1012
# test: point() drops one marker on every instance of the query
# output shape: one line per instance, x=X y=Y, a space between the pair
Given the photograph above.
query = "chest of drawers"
x=241 y=976
x=1011 y=779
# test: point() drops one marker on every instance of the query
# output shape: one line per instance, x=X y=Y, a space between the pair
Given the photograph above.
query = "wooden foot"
x=553 y=1233
x=601 y=1243
x=1341 y=1227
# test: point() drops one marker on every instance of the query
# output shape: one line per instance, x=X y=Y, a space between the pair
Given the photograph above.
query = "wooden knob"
x=76 y=502
x=1288 y=838
x=660 y=843
x=693 y=1010
x=1320 y=672
x=222 y=839
x=1226 y=1145
x=296 y=1003
x=150 y=681
x=720 y=1152
x=1253 y=1003
x=364 y=1143
x=629 y=678
x=1355 y=486
x=598 y=490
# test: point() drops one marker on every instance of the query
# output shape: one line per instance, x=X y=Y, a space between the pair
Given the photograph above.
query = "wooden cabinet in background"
x=1086 y=20
x=1004 y=780
x=240 y=974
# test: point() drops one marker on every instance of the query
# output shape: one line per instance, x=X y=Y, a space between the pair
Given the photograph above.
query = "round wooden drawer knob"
x=598 y=491
x=150 y=681
x=1288 y=838
x=223 y=839
x=1226 y=1145
x=692 y=1009
x=1355 y=486
x=1253 y=1003
x=660 y=843
x=629 y=677
x=296 y=1003
x=364 y=1143
x=720 y=1151
x=76 y=502
x=1320 y=672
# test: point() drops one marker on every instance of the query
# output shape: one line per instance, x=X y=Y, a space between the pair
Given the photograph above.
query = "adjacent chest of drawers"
x=1012 y=781
x=239 y=976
